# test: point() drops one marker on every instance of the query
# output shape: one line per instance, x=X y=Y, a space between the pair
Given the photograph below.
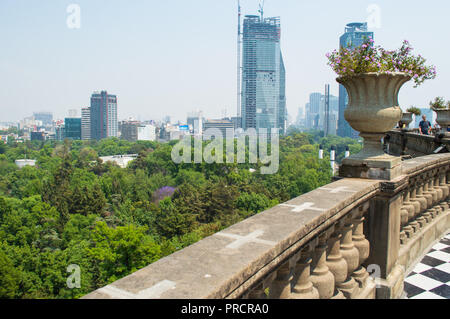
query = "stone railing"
x=412 y=143
x=320 y=245
x=424 y=213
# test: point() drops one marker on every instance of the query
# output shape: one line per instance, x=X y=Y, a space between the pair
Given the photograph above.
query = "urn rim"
x=343 y=79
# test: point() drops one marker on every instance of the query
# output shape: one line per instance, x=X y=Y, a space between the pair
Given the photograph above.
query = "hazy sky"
x=169 y=57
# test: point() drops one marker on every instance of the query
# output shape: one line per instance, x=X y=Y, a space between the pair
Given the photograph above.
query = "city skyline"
x=45 y=66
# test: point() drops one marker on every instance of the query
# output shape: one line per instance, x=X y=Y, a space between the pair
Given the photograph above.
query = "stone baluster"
x=350 y=253
x=361 y=243
x=321 y=276
x=335 y=262
x=437 y=209
x=280 y=287
x=256 y=293
x=447 y=175
x=425 y=201
x=413 y=225
x=431 y=195
x=303 y=287
x=445 y=190
x=431 y=189
x=259 y=291
x=412 y=207
x=443 y=182
x=418 y=197
x=404 y=219
x=437 y=187
x=426 y=193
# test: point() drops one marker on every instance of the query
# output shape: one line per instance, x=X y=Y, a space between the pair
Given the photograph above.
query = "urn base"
x=371 y=162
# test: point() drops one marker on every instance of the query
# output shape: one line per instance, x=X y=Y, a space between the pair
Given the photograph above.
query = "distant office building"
x=309 y=117
x=263 y=75
x=195 y=122
x=314 y=102
x=167 y=119
x=60 y=133
x=334 y=104
x=354 y=36
x=37 y=136
x=86 y=123
x=221 y=125
x=146 y=133
x=129 y=130
x=333 y=123
x=45 y=117
x=315 y=115
x=237 y=120
x=313 y=109
x=103 y=115
x=72 y=128
x=300 y=116
x=73 y=113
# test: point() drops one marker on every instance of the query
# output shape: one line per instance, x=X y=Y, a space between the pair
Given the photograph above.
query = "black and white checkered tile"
x=430 y=279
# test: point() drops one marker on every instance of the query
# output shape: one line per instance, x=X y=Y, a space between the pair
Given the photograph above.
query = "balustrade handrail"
x=254 y=254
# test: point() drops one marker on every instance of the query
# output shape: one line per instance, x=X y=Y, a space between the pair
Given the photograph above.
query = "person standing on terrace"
x=424 y=126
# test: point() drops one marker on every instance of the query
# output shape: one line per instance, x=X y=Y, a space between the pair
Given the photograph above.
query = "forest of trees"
x=72 y=209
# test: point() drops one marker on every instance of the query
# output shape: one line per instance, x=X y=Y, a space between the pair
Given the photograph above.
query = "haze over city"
x=172 y=57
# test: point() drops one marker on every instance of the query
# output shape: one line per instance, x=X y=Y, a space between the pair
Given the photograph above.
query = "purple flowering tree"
x=163 y=192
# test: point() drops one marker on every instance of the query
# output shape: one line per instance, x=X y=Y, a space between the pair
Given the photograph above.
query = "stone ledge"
x=229 y=262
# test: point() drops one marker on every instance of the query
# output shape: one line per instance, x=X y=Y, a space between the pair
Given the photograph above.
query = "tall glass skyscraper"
x=263 y=75
x=103 y=115
x=354 y=36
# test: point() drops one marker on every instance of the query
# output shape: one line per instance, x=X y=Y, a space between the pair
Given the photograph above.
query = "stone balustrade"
x=410 y=142
x=351 y=239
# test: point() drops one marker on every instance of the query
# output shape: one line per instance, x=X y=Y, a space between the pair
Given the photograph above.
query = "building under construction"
x=263 y=75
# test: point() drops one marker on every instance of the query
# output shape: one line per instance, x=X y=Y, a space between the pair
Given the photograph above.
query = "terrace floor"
x=430 y=279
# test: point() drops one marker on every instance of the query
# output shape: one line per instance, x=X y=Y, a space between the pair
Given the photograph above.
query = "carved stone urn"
x=406 y=119
x=373 y=111
x=443 y=119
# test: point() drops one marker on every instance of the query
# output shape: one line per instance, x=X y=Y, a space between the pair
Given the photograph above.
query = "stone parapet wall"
x=322 y=244
x=414 y=144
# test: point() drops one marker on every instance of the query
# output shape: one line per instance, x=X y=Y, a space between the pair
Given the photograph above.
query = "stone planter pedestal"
x=373 y=110
x=443 y=119
x=407 y=118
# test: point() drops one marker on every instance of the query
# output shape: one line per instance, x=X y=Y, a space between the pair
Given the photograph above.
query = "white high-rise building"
x=86 y=123
x=147 y=133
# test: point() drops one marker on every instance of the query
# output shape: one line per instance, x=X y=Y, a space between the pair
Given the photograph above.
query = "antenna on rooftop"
x=261 y=9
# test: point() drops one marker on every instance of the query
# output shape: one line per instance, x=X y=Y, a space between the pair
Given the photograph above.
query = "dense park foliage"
x=73 y=209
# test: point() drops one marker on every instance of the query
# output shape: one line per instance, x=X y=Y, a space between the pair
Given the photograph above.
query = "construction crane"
x=239 y=41
x=261 y=9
